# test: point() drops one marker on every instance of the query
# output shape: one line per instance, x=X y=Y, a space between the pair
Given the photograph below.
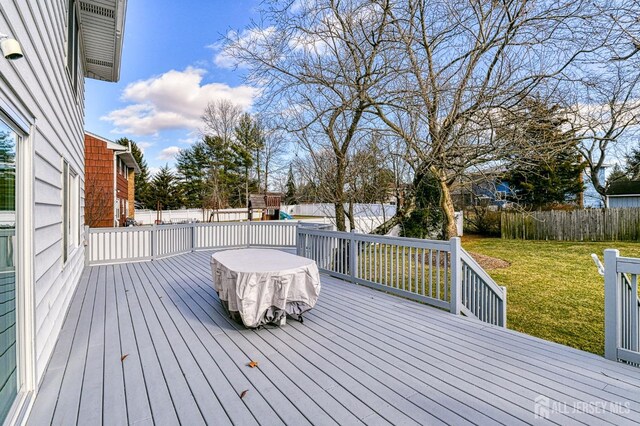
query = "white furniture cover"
x=262 y=286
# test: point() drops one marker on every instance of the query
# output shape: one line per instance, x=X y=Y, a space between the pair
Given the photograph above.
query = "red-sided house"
x=109 y=172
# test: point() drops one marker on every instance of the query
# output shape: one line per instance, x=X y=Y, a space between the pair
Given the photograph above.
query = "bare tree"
x=270 y=158
x=98 y=208
x=316 y=63
x=466 y=62
x=604 y=105
x=220 y=118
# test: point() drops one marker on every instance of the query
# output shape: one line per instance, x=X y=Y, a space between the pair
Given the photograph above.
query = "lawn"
x=554 y=289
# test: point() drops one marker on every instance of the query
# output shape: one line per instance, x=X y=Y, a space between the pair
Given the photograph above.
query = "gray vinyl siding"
x=39 y=87
x=624 y=202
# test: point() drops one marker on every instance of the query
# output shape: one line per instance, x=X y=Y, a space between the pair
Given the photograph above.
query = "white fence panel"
x=148 y=217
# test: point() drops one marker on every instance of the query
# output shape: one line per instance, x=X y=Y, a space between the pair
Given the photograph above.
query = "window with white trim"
x=70 y=210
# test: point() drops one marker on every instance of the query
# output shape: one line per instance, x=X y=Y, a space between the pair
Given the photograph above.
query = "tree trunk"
x=339 y=196
x=352 y=220
x=403 y=210
x=449 y=229
x=246 y=187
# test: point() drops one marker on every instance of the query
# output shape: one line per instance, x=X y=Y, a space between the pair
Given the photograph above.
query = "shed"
x=269 y=203
x=624 y=194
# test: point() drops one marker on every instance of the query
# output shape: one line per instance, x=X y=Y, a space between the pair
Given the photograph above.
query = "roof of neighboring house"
x=102 y=26
x=624 y=188
x=124 y=152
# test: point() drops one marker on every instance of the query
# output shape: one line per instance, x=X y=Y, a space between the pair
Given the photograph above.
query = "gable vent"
x=97 y=10
x=99 y=62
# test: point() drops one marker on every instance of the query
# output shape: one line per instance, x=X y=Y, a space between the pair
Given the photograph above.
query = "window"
x=9 y=383
x=73 y=29
x=70 y=210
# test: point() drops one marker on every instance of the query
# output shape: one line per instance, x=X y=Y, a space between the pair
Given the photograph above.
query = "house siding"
x=99 y=178
x=39 y=88
x=122 y=193
x=624 y=202
x=131 y=191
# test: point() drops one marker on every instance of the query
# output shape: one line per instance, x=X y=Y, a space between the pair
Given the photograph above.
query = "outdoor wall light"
x=10 y=47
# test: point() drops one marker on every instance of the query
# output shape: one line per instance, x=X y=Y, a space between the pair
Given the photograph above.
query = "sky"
x=169 y=72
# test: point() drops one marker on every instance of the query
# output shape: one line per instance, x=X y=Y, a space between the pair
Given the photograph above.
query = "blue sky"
x=168 y=73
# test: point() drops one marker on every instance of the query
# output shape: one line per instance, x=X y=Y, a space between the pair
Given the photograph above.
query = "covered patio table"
x=263 y=286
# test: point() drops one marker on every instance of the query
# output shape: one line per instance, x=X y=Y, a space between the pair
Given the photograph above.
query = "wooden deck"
x=149 y=343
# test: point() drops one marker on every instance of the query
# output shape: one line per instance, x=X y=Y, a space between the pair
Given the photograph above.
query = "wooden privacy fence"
x=621 y=308
x=576 y=225
x=439 y=273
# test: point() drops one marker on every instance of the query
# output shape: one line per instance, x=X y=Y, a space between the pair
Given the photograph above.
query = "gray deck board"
x=113 y=387
x=361 y=356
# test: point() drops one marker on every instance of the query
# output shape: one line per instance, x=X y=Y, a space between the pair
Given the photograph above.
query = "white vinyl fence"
x=329 y=210
x=149 y=217
x=439 y=273
x=621 y=308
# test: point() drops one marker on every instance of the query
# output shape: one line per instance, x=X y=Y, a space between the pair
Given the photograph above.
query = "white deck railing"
x=140 y=243
x=439 y=273
x=621 y=308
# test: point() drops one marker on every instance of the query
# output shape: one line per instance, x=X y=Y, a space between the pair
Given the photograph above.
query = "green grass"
x=554 y=289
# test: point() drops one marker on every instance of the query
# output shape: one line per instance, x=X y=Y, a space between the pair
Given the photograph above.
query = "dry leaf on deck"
x=123 y=357
x=253 y=364
x=243 y=393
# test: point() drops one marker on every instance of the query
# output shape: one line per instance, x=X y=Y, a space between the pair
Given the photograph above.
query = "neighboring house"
x=109 y=182
x=42 y=175
x=481 y=189
x=623 y=194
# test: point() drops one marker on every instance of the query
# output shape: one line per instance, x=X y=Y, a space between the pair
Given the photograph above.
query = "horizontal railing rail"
x=438 y=273
x=622 y=308
x=142 y=243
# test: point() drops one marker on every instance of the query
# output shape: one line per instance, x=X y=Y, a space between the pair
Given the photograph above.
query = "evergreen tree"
x=617 y=175
x=226 y=171
x=249 y=143
x=193 y=167
x=550 y=171
x=426 y=220
x=633 y=164
x=165 y=191
x=142 y=185
x=290 y=195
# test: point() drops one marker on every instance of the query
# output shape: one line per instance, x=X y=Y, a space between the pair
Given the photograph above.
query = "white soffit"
x=102 y=27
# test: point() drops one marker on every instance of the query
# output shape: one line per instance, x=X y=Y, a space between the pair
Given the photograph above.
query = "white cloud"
x=153 y=171
x=173 y=100
x=168 y=153
x=144 y=145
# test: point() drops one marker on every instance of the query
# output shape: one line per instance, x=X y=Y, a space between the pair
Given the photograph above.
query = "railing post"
x=456 y=275
x=502 y=322
x=87 y=246
x=154 y=241
x=612 y=324
x=193 y=236
x=353 y=261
